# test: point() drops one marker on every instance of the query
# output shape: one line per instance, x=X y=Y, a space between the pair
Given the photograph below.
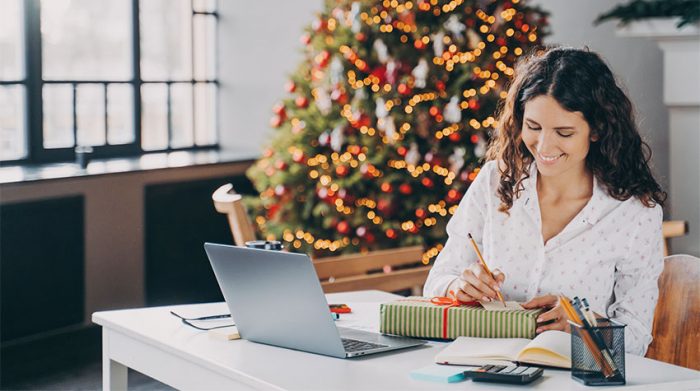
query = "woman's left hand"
x=555 y=314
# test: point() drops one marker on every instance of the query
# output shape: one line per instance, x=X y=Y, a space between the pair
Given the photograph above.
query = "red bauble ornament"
x=305 y=39
x=354 y=149
x=298 y=156
x=385 y=207
x=401 y=151
x=363 y=120
x=386 y=187
x=420 y=213
x=322 y=58
x=474 y=139
x=343 y=227
x=279 y=109
x=427 y=182
x=360 y=36
x=403 y=89
x=474 y=104
x=434 y=111
x=342 y=171
x=281 y=165
x=414 y=229
x=369 y=238
x=418 y=44
x=455 y=137
x=301 y=101
x=453 y=196
x=391 y=233
x=272 y=211
x=406 y=189
x=440 y=85
x=275 y=121
x=290 y=86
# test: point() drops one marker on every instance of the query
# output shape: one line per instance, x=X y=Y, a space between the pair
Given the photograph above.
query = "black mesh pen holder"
x=598 y=353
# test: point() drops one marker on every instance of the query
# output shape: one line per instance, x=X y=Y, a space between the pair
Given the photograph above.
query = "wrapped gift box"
x=419 y=317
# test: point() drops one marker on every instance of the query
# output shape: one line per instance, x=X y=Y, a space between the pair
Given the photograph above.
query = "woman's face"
x=558 y=139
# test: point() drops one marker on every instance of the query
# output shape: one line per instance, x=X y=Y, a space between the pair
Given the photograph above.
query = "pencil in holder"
x=598 y=353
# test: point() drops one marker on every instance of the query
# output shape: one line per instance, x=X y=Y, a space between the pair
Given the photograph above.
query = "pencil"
x=484 y=265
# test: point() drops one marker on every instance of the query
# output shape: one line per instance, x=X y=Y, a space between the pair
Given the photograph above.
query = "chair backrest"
x=672 y=229
x=676 y=329
x=390 y=270
x=228 y=202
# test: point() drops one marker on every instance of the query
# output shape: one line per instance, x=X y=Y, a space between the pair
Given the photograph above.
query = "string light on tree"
x=385 y=120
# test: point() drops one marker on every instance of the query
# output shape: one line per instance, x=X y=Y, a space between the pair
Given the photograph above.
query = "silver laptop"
x=275 y=298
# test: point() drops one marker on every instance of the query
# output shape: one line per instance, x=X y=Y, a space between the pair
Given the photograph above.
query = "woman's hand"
x=475 y=284
x=554 y=319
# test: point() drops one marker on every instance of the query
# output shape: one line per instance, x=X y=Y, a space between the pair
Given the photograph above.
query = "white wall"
x=259 y=48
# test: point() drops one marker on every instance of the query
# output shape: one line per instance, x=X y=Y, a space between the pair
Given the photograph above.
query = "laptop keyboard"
x=353 y=345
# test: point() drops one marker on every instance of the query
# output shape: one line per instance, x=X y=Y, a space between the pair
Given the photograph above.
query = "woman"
x=565 y=204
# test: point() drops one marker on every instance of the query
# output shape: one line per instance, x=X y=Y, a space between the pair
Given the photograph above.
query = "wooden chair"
x=676 y=329
x=390 y=270
x=672 y=229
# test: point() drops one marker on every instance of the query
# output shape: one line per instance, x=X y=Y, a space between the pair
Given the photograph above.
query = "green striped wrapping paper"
x=418 y=317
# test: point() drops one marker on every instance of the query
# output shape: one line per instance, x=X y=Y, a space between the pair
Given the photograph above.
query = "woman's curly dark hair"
x=578 y=80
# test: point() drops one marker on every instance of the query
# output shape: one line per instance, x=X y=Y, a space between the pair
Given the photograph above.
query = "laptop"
x=276 y=299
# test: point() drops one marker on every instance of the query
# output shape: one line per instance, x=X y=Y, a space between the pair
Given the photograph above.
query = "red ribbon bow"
x=448 y=302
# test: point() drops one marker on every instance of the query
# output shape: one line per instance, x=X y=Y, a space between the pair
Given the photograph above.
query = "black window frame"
x=33 y=82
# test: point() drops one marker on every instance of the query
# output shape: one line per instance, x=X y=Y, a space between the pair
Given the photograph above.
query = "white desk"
x=155 y=343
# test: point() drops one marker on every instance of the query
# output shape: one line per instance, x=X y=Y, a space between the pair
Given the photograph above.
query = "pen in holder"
x=598 y=353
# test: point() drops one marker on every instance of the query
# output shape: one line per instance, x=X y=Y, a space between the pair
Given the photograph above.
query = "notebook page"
x=552 y=347
x=466 y=349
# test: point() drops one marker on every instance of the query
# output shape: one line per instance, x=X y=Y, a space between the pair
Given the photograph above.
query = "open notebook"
x=551 y=348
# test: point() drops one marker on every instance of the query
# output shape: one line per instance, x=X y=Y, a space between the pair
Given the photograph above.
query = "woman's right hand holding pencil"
x=476 y=284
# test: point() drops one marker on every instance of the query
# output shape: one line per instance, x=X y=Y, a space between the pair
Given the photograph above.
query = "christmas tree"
x=386 y=120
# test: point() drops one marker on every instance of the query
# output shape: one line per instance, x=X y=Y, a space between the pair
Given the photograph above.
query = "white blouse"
x=611 y=253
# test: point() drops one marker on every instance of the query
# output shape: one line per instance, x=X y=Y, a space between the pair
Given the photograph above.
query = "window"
x=121 y=76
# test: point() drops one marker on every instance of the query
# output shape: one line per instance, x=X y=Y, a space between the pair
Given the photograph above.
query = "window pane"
x=11 y=52
x=181 y=98
x=13 y=140
x=120 y=114
x=205 y=5
x=205 y=47
x=58 y=116
x=91 y=114
x=154 y=117
x=86 y=39
x=166 y=39
x=205 y=114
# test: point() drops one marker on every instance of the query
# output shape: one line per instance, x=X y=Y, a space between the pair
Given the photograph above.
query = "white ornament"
x=389 y=128
x=480 y=148
x=438 y=43
x=420 y=73
x=336 y=71
x=452 y=112
x=380 y=110
x=473 y=38
x=382 y=51
x=323 y=101
x=391 y=67
x=337 y=138
x=456 y=160
x=354 y=17
x=413 y=155
x=454 y=26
